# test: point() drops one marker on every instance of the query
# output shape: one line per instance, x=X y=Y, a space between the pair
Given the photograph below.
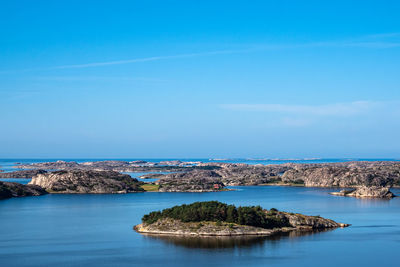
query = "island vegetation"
x=217 y=212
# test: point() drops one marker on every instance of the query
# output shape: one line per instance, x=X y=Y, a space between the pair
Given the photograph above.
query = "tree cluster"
x=220 y=212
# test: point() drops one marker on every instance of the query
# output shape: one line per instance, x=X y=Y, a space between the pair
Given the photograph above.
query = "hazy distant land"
x=197 y=176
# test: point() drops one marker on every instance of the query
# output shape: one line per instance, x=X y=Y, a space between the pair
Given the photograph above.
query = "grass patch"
x=150 y=187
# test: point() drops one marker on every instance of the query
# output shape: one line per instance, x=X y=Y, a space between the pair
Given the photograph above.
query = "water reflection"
x=218 y=242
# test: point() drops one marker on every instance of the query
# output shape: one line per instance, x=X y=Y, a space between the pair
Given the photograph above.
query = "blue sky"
x=200 y=79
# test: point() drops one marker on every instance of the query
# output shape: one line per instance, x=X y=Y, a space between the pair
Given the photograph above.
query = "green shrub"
x=219 y=212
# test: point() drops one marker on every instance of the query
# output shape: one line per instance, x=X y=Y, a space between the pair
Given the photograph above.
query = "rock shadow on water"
x=228 y=242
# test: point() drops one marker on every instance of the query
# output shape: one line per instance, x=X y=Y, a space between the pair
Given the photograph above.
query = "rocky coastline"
x=206 y=228
x=207 y=184
x=346 y=174
x=366 y=192
x=176 y=227
x=343 y=174
x=349 y=174
x=9 y=190
x=179 y=176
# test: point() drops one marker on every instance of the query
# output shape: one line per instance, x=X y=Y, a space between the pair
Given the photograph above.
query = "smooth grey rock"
x=87 y=182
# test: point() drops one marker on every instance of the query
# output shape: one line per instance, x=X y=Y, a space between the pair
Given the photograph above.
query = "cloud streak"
x=135 y=60
x=148 y=59
x=376 y=41
x=337 y=109
x=255 y=48
x=97 y=78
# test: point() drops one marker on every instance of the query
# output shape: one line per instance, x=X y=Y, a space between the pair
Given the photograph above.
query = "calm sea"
x=96 y=230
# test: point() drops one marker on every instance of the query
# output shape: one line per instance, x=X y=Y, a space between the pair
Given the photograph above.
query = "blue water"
x=138 y=174
x=96 y=230
x=19 y=180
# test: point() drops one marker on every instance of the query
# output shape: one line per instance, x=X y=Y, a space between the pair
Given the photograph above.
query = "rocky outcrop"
x=175 y=227
x=250 y=174
x=312 y=175
x=87 y=182
x=345 y=174
x=234 y=174
x=8 y=190
x=205 y=184
x=22 y=174
x=300 y=221
x=171 y=162
x=366 y=192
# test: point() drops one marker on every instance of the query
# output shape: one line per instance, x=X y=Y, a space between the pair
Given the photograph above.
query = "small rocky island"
x=9 y=190
x=214 y=218
x=87 y=182
x=366 y=192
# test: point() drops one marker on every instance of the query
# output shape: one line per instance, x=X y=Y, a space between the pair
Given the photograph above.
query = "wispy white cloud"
x=373 y=41
x=366 y=43
x=337 y=109
x=97 y=78
x=147 y=59
x=136 y=60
